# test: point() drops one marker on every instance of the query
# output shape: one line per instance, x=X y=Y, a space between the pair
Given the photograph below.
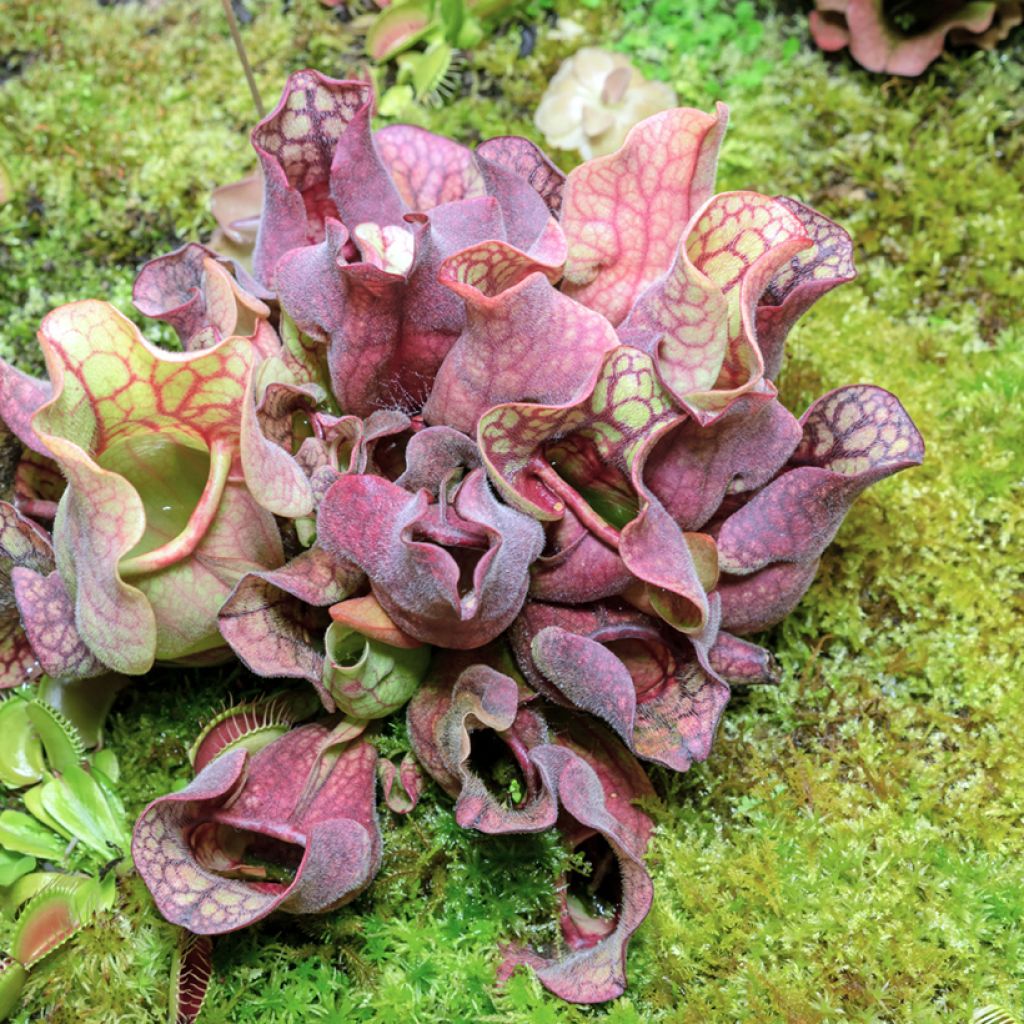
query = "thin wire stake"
x=240 y=50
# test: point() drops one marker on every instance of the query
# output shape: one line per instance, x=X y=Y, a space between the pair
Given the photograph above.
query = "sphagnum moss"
x=852 y=849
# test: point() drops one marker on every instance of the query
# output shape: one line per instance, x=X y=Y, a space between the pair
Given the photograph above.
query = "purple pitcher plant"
x=474 y=438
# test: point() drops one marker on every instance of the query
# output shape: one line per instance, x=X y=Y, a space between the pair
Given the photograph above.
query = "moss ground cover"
x=852 y=848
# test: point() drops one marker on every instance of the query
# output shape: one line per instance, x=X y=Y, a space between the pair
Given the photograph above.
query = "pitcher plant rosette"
x=497 y=445
x=903 y=37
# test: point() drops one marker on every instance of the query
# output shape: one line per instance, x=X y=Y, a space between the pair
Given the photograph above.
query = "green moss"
x=851 y=850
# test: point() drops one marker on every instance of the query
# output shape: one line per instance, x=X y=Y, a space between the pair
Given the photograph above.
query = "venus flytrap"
x=191 y=969
x=60 y=856
x=75 y=817
x=430 y=75
x=55 y=912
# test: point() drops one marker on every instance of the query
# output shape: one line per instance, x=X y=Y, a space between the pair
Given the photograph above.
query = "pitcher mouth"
x=649 y=661
x=593 y=894
x=466 y=544
x=256 y=857
x=914 y=17
x=166 y=513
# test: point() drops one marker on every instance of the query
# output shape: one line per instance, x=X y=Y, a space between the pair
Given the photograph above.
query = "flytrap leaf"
x=61 y=741
x=12 y=981
x=191 y=969
x=21 y=833
x=14 y=865
x=21 y=753
x=85 y=809
x=21 y=891
x=250 y=726
x=83 y=703
x=48 y=920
